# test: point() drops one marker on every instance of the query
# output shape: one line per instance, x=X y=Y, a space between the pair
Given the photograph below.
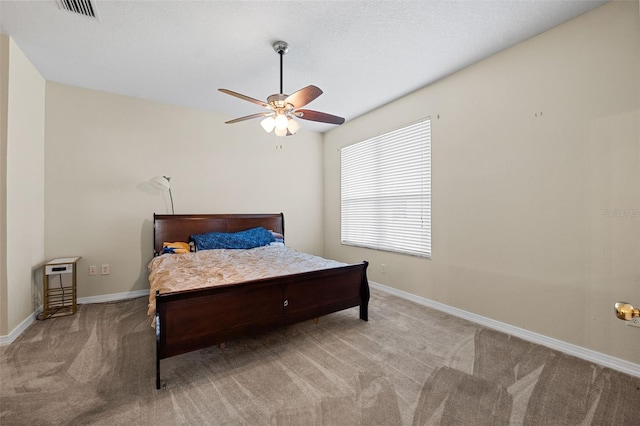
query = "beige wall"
x=24 y=185
x=102 y=149
x=4 y=102
x=536 y=184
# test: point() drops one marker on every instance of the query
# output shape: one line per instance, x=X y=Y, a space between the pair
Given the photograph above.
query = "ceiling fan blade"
x=303 y=96
x=307 y=114
x=248 y=117
x=246 y=98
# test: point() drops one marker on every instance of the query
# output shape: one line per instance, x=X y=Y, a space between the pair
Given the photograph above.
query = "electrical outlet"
x=635 y=322
x=93 y=270
x=383 y=268
x=105 y=269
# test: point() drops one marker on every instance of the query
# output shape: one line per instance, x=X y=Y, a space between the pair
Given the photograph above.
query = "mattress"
x=208 y=268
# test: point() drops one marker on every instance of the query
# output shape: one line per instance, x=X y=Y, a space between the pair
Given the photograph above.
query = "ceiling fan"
x=282 y=109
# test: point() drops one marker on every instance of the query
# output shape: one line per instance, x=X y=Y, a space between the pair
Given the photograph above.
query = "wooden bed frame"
x=195 y=319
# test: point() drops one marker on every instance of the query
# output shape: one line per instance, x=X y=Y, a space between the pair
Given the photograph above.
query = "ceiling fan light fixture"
x=281 y=122
x=293 y=126
x=268 y=124
x=281 y=132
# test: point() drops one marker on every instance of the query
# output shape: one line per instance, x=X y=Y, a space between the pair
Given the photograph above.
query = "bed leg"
x=223 y=345
x=364 y=312
x=157 y=372
x=364 y=295
x=157 y=331
x=315 y=320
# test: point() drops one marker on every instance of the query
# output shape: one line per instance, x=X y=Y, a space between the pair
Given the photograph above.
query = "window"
x=386 y=191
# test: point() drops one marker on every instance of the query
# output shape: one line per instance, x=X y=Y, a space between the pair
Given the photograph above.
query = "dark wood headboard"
x=179 y=227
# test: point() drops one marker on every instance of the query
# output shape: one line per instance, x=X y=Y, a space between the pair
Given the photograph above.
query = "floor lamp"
x=163 y=183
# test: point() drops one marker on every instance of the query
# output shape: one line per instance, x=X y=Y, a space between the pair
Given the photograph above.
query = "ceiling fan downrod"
x=281 y=48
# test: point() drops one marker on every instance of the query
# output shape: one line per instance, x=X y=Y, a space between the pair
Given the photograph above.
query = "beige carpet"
x=409 y=365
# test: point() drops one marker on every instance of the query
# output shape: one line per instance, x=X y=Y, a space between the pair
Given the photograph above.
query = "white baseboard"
x=113 y=297
x=568 y=348
x=8 y=339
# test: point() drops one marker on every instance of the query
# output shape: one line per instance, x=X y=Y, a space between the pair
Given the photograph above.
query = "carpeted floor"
x=409 y=365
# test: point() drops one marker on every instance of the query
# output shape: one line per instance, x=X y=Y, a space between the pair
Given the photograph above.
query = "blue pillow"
x=255 y=237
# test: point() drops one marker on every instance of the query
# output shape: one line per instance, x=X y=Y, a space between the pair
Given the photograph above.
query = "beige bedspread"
x=207 y=268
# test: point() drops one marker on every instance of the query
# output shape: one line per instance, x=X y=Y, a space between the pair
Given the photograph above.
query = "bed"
x=193 y=319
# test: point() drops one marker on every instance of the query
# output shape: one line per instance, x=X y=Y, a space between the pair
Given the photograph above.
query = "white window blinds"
x=386 y=191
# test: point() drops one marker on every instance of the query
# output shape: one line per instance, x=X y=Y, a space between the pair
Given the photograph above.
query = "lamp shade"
x=281 y=122
x=161 y=182
x=293 y=126
x=268 y=124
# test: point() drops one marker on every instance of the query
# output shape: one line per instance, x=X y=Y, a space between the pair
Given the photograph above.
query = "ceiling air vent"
x=81 y=7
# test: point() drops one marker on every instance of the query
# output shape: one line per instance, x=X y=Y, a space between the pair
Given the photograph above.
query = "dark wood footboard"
x=195 y=319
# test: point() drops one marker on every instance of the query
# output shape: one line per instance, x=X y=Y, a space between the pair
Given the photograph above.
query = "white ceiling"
x=362 y=54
